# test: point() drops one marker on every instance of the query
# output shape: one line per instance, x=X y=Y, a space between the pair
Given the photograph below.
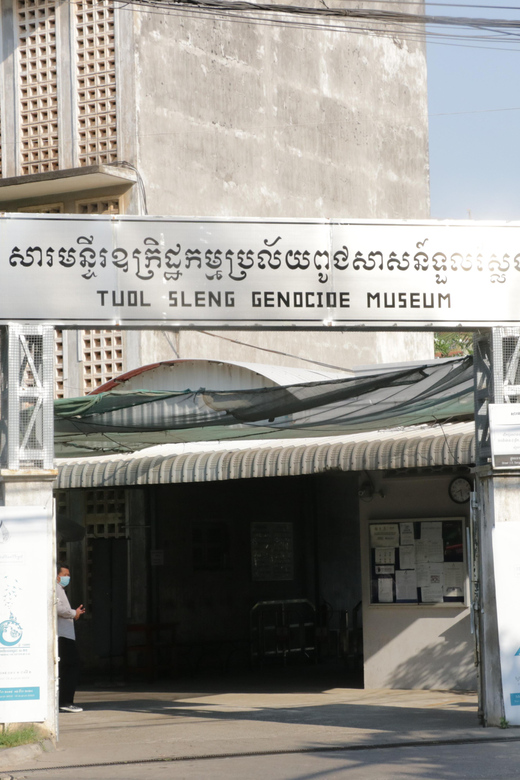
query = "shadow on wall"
x=443 y=665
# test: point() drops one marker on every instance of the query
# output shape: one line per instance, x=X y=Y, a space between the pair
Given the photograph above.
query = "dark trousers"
x=68 y=669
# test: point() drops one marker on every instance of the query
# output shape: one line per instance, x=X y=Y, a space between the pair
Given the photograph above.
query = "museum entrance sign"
x=243 y=273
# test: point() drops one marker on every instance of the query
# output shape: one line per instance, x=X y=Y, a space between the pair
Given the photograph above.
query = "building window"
x=105 y=512
x=211 y=546
x=106 y=206
x=96 y=82
x=59 y=390
x=62 y=508
x=38 y=95
x=102 y=357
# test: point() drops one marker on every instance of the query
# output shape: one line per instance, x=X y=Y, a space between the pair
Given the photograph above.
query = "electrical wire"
x=481 y=29
x=361 y=14
x=276 y=352
x=140 y=183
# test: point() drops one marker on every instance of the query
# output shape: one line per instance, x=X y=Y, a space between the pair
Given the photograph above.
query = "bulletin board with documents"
x=417 y=561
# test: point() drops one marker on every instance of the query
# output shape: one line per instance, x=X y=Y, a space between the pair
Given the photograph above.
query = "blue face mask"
x=64 y=580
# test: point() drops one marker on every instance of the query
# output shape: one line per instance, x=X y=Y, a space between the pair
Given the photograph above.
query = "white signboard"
x=506 y=546
x=24 y=619
x=504 y=428
x=198 y=273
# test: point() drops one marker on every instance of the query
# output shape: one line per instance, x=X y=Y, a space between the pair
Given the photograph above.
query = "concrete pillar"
x=27 y=554
x=498 y=496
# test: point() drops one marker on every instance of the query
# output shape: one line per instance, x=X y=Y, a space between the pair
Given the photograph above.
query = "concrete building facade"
x=221 y=555
x=109 y=108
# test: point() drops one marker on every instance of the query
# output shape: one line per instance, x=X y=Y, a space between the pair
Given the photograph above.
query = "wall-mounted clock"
x=459 y=490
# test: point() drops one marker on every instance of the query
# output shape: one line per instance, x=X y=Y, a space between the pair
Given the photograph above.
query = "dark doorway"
x=109 y=601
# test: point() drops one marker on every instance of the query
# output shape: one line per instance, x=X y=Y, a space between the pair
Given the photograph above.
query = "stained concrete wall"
x=260 y=120
x=407 y=646
x=237 y=119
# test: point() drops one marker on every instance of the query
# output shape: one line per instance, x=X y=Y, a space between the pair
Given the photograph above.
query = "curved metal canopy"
x=442 y=445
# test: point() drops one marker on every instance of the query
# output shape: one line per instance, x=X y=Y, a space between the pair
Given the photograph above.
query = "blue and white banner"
x=25 y=622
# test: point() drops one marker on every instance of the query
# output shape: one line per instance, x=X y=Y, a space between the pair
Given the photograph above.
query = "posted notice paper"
x=384 y=535
x=385 y=590
x=407 y=557
x=405 y=585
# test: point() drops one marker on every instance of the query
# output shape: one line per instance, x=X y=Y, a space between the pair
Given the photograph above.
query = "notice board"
x=272 y=554
x=417 y=561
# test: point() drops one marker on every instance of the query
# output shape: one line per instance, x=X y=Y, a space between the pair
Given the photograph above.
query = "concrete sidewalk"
x=162 y=721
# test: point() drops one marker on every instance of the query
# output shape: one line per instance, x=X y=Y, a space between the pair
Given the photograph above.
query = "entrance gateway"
x=155 y=272
x=241 y=273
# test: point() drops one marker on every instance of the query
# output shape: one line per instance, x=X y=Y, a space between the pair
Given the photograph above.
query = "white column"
x=27 y=530
x=498 y=504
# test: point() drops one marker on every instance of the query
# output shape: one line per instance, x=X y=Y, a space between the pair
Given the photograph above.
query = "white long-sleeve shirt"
x=66 y=614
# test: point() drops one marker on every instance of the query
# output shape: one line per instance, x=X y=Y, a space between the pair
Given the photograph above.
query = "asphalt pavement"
x=282 y=727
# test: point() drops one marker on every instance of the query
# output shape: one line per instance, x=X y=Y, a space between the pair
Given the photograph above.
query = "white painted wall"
x=407 y=646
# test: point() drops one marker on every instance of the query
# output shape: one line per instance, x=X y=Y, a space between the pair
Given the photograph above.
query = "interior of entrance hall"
x=187 y=578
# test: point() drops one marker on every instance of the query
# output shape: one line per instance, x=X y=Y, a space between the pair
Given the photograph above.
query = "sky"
x=474 y=119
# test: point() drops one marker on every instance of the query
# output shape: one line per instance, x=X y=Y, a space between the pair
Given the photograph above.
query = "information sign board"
x=417 y=561
x=227 y=273
x=504 y=429
x=24 y=614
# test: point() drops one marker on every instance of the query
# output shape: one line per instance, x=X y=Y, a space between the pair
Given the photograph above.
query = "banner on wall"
x=249 y=273
x=25 y=622
x=506 y=543
x=504 y=429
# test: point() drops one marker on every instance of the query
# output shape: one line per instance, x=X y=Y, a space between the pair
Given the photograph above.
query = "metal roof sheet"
x=181 y=374
x=419 y=447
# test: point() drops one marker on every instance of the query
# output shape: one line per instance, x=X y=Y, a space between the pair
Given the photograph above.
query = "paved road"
x=481 y=761
x=239 y=731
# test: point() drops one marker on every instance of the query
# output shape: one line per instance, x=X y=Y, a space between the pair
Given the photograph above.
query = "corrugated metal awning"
x=420 y=447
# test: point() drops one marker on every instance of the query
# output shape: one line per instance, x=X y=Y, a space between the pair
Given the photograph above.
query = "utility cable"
x=362 y=14
x=140 y=183
x=276 y=352
x=286 y=17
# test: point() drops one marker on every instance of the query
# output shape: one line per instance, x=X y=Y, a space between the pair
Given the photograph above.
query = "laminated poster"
x=454 y=580
x=432 y=594
x=385 y=590
x=407 y=534
x=405 y=586
x=429 y=551
x=431 y=531
x=385 y=555
x=385 y=569
x=407 y=557
x=423 y=575
x=384 y=535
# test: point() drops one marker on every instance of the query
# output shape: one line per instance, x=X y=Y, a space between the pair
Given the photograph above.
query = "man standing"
x=67 y=650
